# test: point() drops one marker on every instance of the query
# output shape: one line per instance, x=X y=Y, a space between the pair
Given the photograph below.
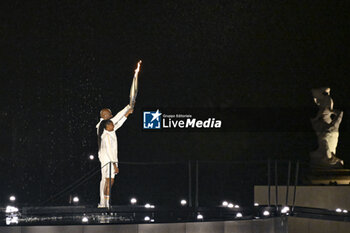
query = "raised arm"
x=120 y=114
x=121 y=117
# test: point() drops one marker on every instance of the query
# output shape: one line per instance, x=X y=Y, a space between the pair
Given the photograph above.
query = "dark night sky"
x=61 y=62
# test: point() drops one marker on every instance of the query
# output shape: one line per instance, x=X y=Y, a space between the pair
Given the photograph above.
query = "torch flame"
x=138 y=68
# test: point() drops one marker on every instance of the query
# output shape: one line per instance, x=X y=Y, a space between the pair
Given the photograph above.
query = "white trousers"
x=104 y=175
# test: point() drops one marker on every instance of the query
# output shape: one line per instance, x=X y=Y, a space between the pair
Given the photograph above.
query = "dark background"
x=61 y=62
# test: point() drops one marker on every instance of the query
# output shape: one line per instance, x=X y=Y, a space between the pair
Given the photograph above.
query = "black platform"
x=77 y=215
x=67 y=215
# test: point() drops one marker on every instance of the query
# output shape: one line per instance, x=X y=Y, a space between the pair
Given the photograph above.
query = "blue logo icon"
x=151 y=120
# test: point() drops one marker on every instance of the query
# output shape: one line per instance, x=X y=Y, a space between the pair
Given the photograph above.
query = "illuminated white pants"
x=104 y=175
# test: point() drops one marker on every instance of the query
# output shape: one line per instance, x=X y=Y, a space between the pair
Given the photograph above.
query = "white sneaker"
x=106 y=204
x=101 y=206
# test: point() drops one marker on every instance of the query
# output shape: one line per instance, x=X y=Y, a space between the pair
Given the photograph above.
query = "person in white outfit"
x=108 y=149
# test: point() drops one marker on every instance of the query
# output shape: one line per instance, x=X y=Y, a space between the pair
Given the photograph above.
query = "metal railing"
x=202 y=183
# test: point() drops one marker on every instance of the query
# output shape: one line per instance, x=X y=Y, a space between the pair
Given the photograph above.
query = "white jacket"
x=109 y=144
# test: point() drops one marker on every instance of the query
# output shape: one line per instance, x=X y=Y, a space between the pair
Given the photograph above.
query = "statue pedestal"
x=314 y=196
x=327 y=176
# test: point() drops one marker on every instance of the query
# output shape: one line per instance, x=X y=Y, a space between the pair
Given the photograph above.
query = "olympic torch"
x=134 y=86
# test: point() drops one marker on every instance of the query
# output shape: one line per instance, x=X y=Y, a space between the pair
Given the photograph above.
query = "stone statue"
x=326 y=124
